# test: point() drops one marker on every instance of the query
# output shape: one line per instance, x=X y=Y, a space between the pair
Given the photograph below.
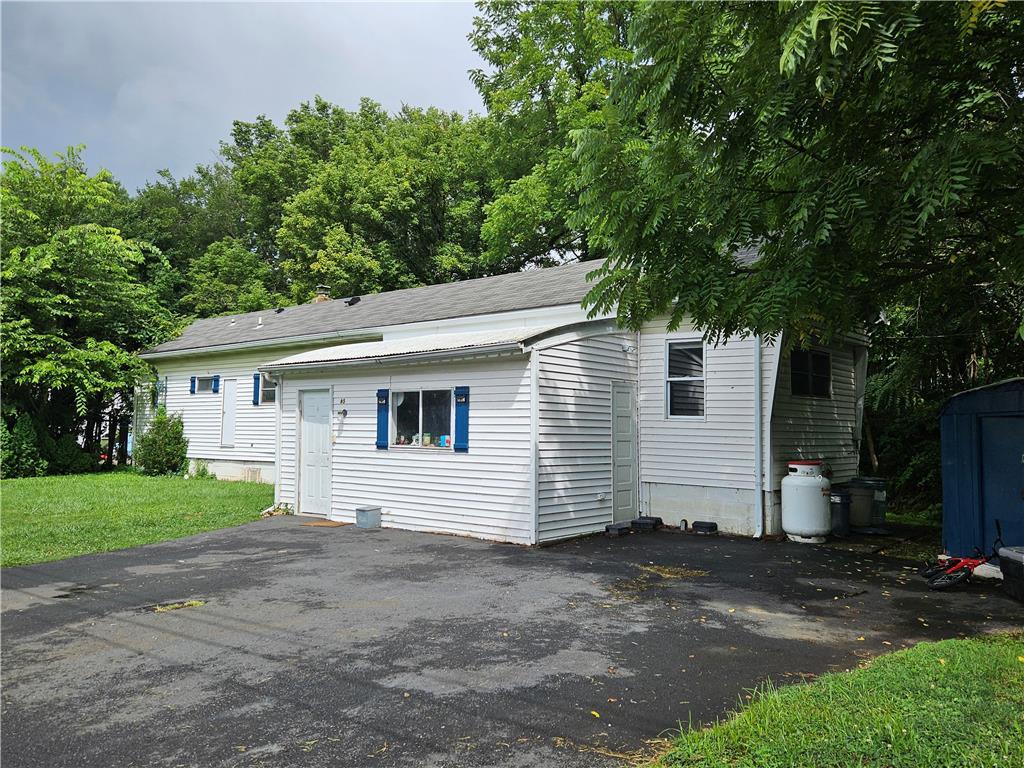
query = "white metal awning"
x=426 y=348
x=418 y=347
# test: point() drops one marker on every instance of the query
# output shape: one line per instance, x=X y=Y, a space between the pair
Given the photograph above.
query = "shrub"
x=19 y=450
x=163 y=448
x=67 y=457
x=201 y=471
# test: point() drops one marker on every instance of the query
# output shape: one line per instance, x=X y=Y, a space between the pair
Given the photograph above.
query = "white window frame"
x=812 y=351
x=199 y=381
x=693 y=341
x=393 y=418
x=267 y=384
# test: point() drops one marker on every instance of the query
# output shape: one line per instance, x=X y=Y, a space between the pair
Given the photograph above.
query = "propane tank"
x=805 y=502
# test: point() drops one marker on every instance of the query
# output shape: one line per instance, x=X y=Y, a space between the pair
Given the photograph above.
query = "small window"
x=684 y=385
x=810 y=373
x=204 y=384
x=268 y=389
x=422 y=418
x=158 y=393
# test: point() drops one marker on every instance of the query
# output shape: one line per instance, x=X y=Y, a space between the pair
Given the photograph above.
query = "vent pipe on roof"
x=322 y=294
x=259 y=322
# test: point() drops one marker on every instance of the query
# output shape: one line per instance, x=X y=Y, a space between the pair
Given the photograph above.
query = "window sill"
x=433 y=448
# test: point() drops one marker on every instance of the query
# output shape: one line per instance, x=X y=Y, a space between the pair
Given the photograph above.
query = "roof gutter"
x=289 y=341
x=491 y=350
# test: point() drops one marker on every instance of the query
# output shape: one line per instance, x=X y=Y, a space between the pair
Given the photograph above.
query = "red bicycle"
x=943 y=574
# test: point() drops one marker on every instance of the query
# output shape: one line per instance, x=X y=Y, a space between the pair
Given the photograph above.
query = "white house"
x=497 y=408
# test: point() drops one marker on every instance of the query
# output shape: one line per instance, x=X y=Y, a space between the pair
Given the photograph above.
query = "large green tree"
x=872 y=152
x=550 y=66
x=184 y=217
x=398 y=202
x=74 y=306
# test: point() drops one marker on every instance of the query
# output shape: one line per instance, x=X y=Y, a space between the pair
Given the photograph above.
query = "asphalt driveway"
x=335 y=646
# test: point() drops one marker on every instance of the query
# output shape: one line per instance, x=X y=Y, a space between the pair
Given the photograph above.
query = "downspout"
x=642 y=501
x=535 y=356
x=758 y=444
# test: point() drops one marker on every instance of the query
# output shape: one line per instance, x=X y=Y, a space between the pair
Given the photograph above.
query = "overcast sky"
x=148 y=86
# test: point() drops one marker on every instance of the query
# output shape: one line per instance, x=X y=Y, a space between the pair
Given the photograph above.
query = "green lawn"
x=50 y=518
x=957 y=702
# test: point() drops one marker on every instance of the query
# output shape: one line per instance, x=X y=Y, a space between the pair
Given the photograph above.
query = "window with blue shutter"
x=255 y=389
x=192 y=386
x=462 y=419
x=382 y=419
x=216 y=384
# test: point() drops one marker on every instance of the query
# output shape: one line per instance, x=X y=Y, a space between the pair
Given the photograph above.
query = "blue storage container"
x=983 y=467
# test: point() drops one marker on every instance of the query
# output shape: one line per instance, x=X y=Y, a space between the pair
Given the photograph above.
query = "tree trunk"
x=870 y=440
x=108 y=463
x=122 y=440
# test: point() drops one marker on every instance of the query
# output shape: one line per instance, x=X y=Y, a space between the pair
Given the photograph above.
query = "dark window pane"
x=801 y=384
x=800 y=362
x=821 y=364
x=686 y=398
x=437 y=417
x=820 y=386
x=407 y=416
x=685 y=360
x=810 y=373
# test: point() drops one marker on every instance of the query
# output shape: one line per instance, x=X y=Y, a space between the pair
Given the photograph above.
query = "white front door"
x=624 y=465
x=315 y=461
x=229 y=409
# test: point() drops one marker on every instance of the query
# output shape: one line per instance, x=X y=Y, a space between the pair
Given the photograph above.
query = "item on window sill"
x=444 y=441
x=415 y=439
x=426 y=439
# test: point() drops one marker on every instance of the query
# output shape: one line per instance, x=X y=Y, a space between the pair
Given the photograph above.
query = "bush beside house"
x=163 y=448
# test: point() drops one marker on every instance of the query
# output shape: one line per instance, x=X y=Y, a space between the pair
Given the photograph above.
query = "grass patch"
x=956 y=702
x=51 y=518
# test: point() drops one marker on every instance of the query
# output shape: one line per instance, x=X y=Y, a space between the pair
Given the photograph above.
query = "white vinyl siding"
x=574 y=432
x=486 y=493
x=817 y=427
x=255 y=427
x=715 y=451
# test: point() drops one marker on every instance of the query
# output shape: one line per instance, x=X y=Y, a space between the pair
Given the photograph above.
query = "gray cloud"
x=147 y=86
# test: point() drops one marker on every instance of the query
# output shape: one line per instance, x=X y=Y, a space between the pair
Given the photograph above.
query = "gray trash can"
x=869 y=501
x=839 y=504
x=367 y=517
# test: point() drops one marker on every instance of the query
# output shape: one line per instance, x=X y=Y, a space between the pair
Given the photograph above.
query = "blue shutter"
x=462 y=419
x=192 y=386
x=382 y=419
x=216 y=384
x=255 y=389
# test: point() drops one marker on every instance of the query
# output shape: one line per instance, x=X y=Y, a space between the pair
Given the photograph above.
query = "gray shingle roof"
x=501 y=293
